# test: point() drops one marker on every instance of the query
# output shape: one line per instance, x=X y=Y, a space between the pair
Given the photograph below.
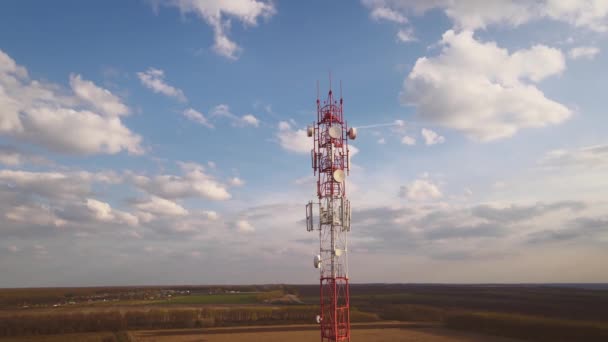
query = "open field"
x=378 y=332
x=525 y=312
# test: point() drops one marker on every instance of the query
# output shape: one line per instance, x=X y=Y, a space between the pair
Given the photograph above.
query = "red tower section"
x=330 y=162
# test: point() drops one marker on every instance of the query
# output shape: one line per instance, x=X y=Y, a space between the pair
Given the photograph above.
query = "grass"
x=233 y=298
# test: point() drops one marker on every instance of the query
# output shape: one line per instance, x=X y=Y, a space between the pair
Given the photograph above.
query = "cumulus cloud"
x=384 y=13
x=12 y=156
x=52 y=184
x=57 y=199
x=483 y=90
x=42 y=113
x=586 y=52
x=421 y=190
x=406 y=35
x=249 y=119
x=34 y=214
x=194 y=182
x=223 y=111
x=154 y=79
x=217 y=14
x=100 y=99
x=481 y=230
x=244 y=226
x=103 y=212
x=236 y=181
x=293 y=140
x=160 y=206
x=431 y=137
x=197 y=117
x=407 y=140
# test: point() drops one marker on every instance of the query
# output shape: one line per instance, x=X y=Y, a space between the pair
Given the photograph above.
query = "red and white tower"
x=330 y=162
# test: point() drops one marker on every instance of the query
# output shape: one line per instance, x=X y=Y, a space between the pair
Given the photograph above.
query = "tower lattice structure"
x=330 y=216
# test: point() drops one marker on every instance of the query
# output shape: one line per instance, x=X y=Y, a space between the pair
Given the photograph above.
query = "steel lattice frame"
x=330 y=161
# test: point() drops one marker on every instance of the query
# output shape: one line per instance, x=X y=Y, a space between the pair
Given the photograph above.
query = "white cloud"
x=244 y=226
x=383 y=13
x=47 y=184
x=193 y=183
x=474 y=14
x=99 y=98
x=407 y=140
x=250 y=120
x=103 y=212
x=34 y=214
x=294 y=140
x=58 y=198
x=431 y=137
x=421 y=190
x=42 y=113
x=223 y=111
x=10 y=156
x=381 y=141
x=587 y=52
x=154 y=79
x=159 y=206
x=482 y=90
x=585 y=158
x=236 y=181
x=211 y=215
x=214 y=13
x=198 y=117
x=406 y=35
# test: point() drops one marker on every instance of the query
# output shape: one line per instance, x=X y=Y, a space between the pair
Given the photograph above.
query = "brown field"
x=87 y=337
x=377 y=332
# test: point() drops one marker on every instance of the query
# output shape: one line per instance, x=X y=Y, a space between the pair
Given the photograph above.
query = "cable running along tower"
x=330 y=216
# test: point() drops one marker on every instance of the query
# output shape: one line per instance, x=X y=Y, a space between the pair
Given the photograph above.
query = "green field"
x=232 y=298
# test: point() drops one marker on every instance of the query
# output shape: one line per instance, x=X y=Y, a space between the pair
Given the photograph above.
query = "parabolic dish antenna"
x=335 y=132
x=339 y=175
x=352 y=133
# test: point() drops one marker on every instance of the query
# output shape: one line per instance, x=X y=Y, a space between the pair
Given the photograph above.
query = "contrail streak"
x=376 y=125
x=396 y=123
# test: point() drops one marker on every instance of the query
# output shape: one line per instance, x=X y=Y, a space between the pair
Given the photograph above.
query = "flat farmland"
x=377 y=332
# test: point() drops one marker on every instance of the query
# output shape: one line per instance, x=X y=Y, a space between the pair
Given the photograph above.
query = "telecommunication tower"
x=330 y=216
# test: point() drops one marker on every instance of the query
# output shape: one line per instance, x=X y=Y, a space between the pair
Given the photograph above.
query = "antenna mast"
x=330 y=162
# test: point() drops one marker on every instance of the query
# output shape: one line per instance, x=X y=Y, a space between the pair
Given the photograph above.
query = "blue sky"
x=156 y=142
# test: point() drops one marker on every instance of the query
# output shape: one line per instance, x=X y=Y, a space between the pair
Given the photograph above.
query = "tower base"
x=335 y=309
